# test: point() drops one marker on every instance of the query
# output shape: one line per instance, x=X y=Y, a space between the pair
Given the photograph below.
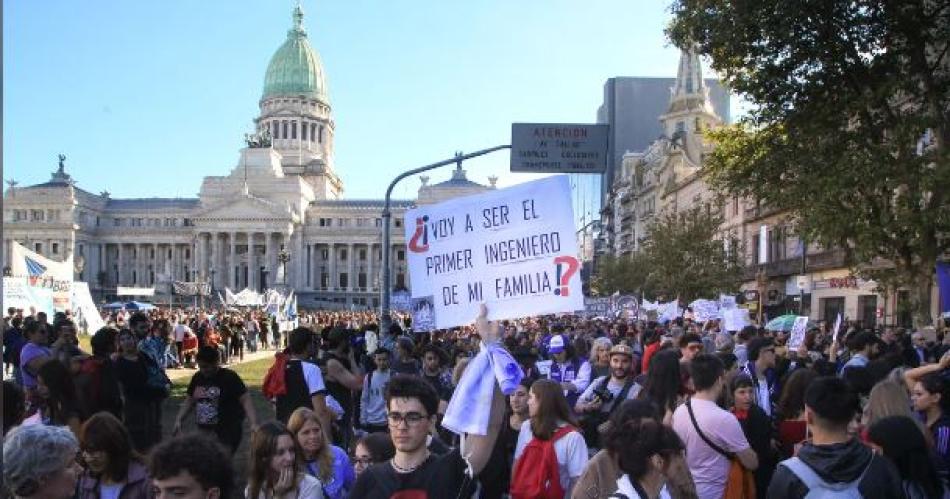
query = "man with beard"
x=606 y=393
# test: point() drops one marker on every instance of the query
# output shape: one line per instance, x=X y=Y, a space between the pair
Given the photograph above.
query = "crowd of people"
x=575 y=408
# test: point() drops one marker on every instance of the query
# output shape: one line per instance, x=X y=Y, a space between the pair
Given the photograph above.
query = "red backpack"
x=536 y=474
x=274 y=381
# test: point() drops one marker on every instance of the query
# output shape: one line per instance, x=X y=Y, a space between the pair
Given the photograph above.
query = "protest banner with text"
x=514 y=249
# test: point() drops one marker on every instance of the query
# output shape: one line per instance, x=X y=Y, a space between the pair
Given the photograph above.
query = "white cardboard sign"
x=797 y=336
x=514 y=249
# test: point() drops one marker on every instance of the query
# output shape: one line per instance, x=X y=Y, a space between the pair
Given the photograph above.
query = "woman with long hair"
x=930 y=395
x=59 y=405
x=888 y=398
x=372 y=448
x=141 y=412
x=328 y=463
x=113 y=468
x=663 y=385
x=550 y=418
x=899 y=438
x=600 y=357
x=276 y=464
x=647 y=450
x=791 y=411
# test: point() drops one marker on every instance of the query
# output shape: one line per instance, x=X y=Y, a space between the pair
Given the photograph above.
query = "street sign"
x=558 y=148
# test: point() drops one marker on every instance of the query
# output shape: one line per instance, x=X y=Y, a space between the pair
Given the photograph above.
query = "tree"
x=684 y=257
x=849 y=123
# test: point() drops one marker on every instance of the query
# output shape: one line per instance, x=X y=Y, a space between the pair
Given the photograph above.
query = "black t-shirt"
x=218 y=400
x=438 y=477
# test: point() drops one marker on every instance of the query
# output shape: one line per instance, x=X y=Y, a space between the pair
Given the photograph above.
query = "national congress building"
x=282 y=194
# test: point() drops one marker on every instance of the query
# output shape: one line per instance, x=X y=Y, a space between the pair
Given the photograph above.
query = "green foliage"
x=842 y=94
x=684 y=257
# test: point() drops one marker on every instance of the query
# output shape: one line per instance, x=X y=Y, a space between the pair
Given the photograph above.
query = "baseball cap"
x=556 y=345
x=621 y=349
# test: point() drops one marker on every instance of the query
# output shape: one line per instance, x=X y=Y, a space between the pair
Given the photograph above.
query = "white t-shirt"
x=708 y=467
x=313 y=377
x=571 y=453
x=180 y=330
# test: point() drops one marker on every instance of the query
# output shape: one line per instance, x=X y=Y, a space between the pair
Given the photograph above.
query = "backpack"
x=536 y=474
x=274 y=381
x=820 y=489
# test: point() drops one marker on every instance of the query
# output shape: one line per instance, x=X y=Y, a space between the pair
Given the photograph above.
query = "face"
x=207 y=368
x=182 y=486
x=620 y=366
x=561 y=356
x=519 y=400
x=431 y=361
x=743 y=397
x=919 y=341
x=767 y=356
x=127 y=343
x=310 y=437
x=68 y=333
x=534 y=403
x=141 y=328
x=96 y=461
x=922 y=399
x=62 y=484
x=382 y=361
x=603 y=354
x=361 y=459
x=690 y=351
x=409 y=424
x=284 y=455
x=41 y=336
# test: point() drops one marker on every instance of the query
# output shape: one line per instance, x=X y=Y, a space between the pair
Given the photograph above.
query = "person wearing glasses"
x=413 y=471
x=113 y=468
x=761 y=370
x=372 y=448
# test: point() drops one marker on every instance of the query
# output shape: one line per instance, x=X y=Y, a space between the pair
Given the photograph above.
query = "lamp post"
x=211 y=271
x=385 y=319
x=283 y=256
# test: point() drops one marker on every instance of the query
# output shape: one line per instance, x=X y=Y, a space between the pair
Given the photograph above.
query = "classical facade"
x=283 y=194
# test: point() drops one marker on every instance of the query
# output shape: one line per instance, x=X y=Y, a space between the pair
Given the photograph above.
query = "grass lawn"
x=253 y=375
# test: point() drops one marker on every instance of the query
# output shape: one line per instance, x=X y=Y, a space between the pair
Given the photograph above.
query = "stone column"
x=270 y=257
x=231 y=273
x=298 y=250
x=156 y=268
x=350 y=267
x=334 y=282
x=370 y=277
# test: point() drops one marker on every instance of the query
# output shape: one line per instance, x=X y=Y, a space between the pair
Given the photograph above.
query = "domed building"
x=283 y=193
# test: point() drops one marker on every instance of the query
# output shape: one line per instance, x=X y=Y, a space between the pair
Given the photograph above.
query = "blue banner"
x=943 y=283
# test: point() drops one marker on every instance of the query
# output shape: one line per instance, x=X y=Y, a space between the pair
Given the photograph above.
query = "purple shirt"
x=30 y=351
x=708 y=467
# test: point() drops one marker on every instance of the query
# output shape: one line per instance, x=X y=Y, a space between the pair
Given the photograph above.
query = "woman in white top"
x=276 y=464
x=646 y=448
x=549 y=411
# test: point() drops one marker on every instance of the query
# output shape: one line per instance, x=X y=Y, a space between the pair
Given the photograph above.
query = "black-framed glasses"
x=362 y=461
x=411 y=418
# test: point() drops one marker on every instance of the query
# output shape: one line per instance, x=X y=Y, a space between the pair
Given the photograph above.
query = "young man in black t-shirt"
x=414 y=472
x=219 y=398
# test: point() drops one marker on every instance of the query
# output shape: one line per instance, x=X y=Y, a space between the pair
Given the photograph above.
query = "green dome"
x=295 y=69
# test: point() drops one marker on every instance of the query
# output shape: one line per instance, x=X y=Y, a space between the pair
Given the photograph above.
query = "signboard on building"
x=558 y=148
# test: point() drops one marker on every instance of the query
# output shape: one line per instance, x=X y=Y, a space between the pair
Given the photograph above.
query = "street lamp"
x=283 y=256
x=211 y=271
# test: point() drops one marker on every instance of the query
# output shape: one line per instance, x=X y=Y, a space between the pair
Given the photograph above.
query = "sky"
x=145 y=98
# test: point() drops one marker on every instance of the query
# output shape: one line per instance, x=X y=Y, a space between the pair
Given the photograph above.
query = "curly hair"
x=33 y=453
x=197 y=454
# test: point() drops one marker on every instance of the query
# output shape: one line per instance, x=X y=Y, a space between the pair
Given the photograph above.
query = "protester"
x=404 y=363
x=142 y=408
x=760 y=369
x=32 y=356
x=600 y=357
x=551 y=422
x=792 y=429
x=663 y=385
x=645 y=455
x=96 y=383
x=372 y=448
x=276 y=466
x=605 y=393
x=711 y=434
x=58 y=403
x=14 y=405
x=343 y=376
x=39 y=462
x=900 y=440
x=113 y=468
x=191 y=466
x=372 y=396
x=328 y=463
x=832 y=458
x=219 y=398
x=757 y=428
x=304 y=381
x=568 y=369
x=887 y=399
x=930 y=394
x=862 y=347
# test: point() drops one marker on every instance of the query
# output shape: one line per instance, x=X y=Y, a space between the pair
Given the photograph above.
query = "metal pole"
x=801 y=290
x=385 y=319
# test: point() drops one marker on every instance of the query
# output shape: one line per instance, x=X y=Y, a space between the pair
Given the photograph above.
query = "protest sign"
x=649 y=305
x=670 y=311
x=705 y=310
x=543 y=367
x=84 y=309
x=423 y=318
x=626 y=307
x=18 y=293
x=834 y=332
x=400 y=301
x=797 y=335
x=596 y=307
x=514 y=249
x=727 y=302
x=734 y=319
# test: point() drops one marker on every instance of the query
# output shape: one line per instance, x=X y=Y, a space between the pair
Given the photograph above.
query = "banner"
x=943 y=284
x=18 y=293
x=734 y=319
x=130 y=291
x=705 y=310
x=597 y=307
x=191 y=288
x=797 y=336
x=670 y=311
x=727 y=302
x=26 y=263
x=400 y=301
x=514 y=249
x=85 y=314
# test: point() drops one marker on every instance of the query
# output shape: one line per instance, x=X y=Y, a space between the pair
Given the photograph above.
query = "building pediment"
x=246 y=207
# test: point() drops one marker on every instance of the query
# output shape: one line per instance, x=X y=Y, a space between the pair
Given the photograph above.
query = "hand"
x=285 y=482
x=944 y=361
x=594 y=405
x=489 y=331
